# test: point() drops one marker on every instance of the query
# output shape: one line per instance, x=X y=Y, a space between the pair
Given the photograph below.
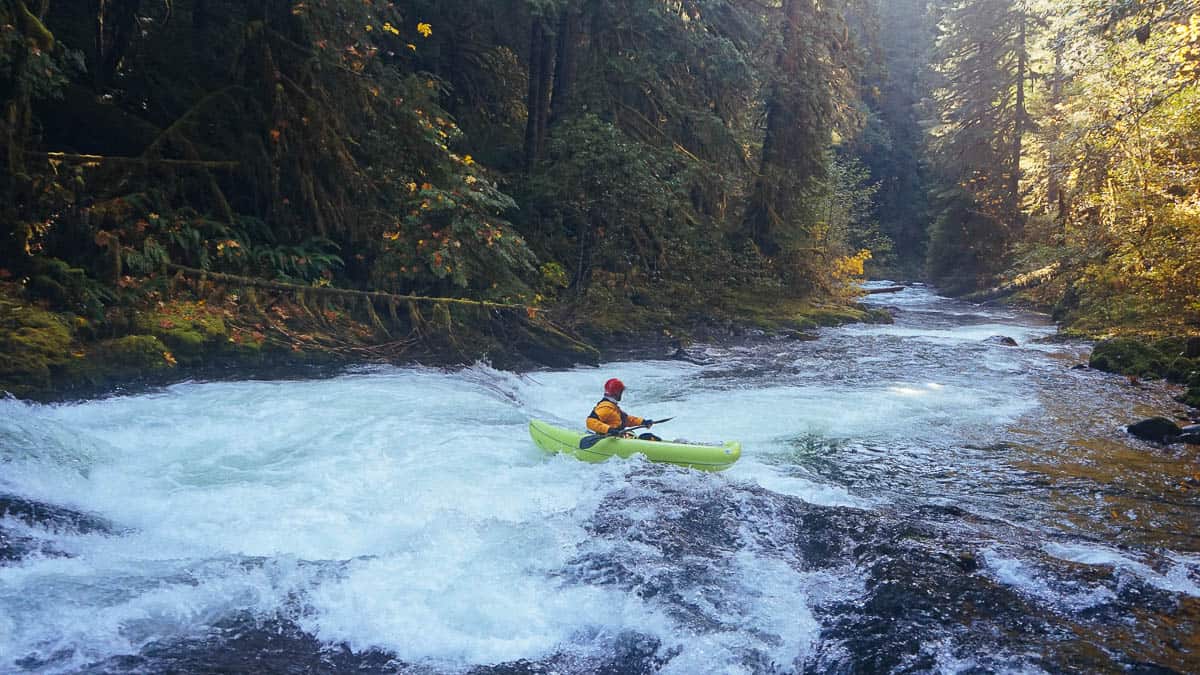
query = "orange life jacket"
x=607 y=415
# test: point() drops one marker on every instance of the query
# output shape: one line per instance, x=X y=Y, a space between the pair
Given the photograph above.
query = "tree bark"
x=115 y=28
x=1055 y=195
x=566 y=63
x=1019 y=121
x=541 y=73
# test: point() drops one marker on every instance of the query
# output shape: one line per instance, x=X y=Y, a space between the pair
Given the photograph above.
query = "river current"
x=915 y=497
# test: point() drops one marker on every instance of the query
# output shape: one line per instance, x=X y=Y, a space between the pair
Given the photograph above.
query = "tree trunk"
x=566 y=64
x=1019 y=120
x=779 y=153
x=541 y=73
x=115 y=28
x=1055 y=195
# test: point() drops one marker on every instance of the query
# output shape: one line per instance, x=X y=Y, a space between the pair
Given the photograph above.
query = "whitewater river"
x=911 y=498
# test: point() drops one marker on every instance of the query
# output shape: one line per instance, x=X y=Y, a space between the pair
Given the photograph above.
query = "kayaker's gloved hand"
x=648 y=423
x=613 y=431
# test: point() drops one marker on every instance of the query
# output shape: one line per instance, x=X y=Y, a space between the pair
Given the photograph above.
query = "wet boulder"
x=1155 y=429
x=1002 y=340
x=681 y=354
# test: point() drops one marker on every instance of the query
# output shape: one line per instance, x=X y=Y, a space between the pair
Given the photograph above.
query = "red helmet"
x=614 y=388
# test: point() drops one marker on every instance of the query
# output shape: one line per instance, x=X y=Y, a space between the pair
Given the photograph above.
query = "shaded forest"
x=607 y=166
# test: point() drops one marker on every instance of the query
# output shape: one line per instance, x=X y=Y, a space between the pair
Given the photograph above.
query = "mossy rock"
x=32 y=343
x=1182 y=369
x=188 y=329
x=1128 y=356
x=134 y=353
x=113 y=362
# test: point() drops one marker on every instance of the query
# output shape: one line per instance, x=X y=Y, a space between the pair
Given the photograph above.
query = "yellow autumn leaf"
x=424 y=29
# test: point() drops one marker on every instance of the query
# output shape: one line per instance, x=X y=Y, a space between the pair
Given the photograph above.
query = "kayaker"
x=607 y=418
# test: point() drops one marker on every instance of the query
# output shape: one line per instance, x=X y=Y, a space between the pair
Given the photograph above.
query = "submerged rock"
x=18 y=543
x=1002 y=340
x=1156 y=429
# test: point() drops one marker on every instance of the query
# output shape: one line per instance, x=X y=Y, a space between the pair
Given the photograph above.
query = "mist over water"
x=910 y=497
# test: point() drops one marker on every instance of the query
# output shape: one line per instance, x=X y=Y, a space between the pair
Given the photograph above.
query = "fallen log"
x=1020 y=283
x=889 y=289
x=255 y=282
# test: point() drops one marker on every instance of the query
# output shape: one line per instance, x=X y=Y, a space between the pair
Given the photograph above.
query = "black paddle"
x=588 y=441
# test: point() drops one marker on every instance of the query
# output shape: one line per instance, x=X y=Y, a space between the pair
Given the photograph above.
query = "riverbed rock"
x=682 y=354
x=1002 y=340
x=1155 y=429
x=798 y=335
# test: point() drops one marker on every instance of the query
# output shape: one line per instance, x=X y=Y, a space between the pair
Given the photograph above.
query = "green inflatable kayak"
x=704 y=457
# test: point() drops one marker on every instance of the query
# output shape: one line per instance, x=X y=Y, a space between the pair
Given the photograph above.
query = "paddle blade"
x=588 y=441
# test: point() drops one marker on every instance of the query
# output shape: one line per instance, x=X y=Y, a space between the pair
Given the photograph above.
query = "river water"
x=912 y=498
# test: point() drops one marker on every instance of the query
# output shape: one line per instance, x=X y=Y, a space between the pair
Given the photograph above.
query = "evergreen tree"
x=982 y=71
x=807 y=83
x=899 y=35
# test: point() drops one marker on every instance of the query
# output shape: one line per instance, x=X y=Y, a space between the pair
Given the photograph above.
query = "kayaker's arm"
x=596 y=426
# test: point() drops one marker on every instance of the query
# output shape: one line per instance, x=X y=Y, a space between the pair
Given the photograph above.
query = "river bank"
x=215 y=333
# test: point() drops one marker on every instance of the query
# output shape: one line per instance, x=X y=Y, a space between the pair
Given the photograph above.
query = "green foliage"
x=457 y=235
x=601 y=200
x=66 y=288
x=32 y=61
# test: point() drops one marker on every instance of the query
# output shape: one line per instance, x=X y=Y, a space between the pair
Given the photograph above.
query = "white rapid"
x=404 y=511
